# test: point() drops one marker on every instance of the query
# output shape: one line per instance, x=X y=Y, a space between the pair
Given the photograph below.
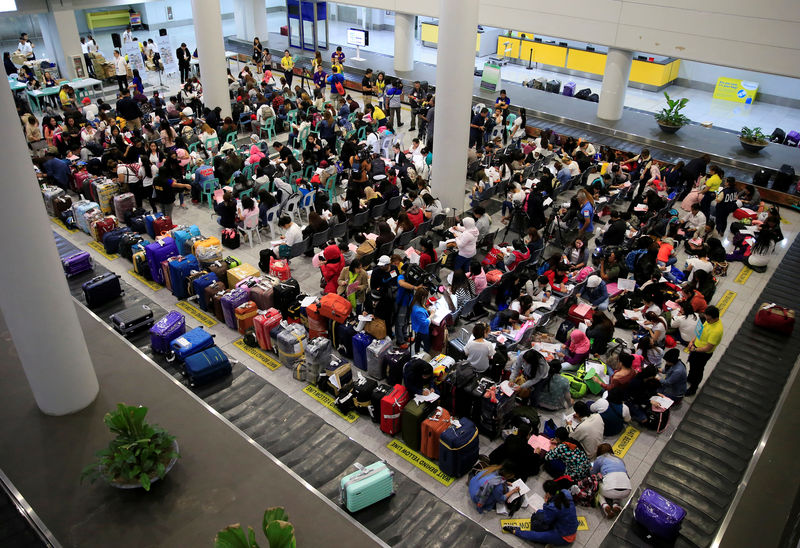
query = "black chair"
x=487 y=242
x=367 y=259
x=438 y=220
x=338 y=231
x=394 y=203
x=386 y=248
x=319 y=239
x=359 y=220
x=424 y=228
x=378 y=210
x=402 y=241
x=300 y=248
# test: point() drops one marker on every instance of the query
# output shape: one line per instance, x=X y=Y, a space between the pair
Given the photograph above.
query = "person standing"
x=421 y=321
x=127 y=36
x=121 y=70
x=702 y=347
x=366 y=87
x=503 y=103
x=128 y=109
x=258 y=54
x=25 y=47
x=184 y=57
x=726 y=204
x=394 y=94
x=477 y=126
x=337 y=57
x=415 y=98
x=87 y=58
x=587 y=214
x=287 y=64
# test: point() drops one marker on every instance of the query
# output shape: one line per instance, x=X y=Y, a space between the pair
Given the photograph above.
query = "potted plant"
x=140 y=454
x=670 y=118
x=752 y=140
x=276 y=527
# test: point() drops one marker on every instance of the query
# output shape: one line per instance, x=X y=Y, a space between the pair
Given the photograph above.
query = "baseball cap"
x=383 y=260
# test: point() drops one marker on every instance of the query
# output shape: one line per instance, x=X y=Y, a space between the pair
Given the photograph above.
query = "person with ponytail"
x=556 y=523
x=490 y=486
x=553 y=393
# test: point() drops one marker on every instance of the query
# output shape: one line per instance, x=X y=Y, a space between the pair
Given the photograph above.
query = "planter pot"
x=153 y=479
x=668 y=129
x=752 y=147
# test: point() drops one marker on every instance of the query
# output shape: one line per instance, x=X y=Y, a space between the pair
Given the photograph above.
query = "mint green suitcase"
x=367 y=486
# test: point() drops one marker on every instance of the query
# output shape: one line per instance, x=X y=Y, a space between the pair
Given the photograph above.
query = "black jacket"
x=184 y=57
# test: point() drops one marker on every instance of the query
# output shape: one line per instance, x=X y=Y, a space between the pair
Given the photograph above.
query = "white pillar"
x=211 y=54
x=455 y=67
x=37 y=307
x=615 y=83
x=403 y=42
x=260 y=21
x=60 y=32
x=242 y=17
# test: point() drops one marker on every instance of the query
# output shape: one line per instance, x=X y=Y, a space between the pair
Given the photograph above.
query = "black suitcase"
x=101 y=289
x=126 y=244
x=345 y=400
x=784 y=178
x=593 y=98
x=285 y=294
x=494 y=413
x=68 y=219
x=394 y=361
x=112 y=239
x=343 y=334
x=132 y=319
x=762 y=176
x=778 y=136
x=540 y=83
x=554 y=86
x=377 y=395
x=584 y=94
x=362 y=392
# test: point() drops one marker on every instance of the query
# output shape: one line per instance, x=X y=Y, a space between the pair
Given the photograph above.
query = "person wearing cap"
x=673 y=382
x=380 y=303
x=89 y=109
x=595 y=292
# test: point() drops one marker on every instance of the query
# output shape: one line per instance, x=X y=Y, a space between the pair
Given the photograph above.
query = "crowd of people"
x=348 y=157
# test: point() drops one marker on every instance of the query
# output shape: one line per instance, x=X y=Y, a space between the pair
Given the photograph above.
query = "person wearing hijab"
x=371 y=197
x=331 y=266
x=466 y=242
x=577 y=350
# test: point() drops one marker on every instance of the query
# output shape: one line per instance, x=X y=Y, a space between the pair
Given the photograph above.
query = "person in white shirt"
x=685 y=322
x=127 y=36
x=89 y=109
x=478 y=350
x=694 y=221
x=85 y=51
x=25 y=47
x=574 y=169
x=92 y=44
x=588 y=430
x=121 y=70
x=700 y=262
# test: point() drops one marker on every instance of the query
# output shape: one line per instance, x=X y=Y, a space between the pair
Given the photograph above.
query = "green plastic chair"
x=362 y=133
x=248 y=171
x=248 y=192
x=303 y=136
x=207 y=192
x=291 y=117
x=211 y=143
x=193 y=146
x=231 y=138
x=308 y=173
x=269 y=127
x=330 y=186
x=81 y=93
x=510 y=121
x=266 y=186
x=352 y=117
x=293 y=177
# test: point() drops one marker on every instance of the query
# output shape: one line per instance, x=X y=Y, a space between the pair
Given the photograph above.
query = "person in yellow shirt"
x=707 y=339
x=287 y=64
x=710 y=189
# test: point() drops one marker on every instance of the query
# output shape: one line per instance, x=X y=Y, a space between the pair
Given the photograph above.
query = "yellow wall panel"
x=430 y=33
x=586 y=61
x=674 y=67
x=649 y=73
x=525 y=48
x=549 y=55
x=501 y=47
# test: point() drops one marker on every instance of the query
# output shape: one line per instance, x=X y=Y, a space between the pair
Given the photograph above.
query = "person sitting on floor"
x=516 y=454
x=613 y=411
x=615 y=485
x=587 y=428
x=490 y=486
x=556 y=523
x=566 y=457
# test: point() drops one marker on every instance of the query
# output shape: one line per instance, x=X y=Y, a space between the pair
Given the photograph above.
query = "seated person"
x=226 y=209
x=365 y=245
x=553 y=393
x=595 y=292
x=557 y=276
x=528 y=371
x=615 y=485
x=249 y=208
x=490 y=486
x=673 y=382
x=600 y=332
x=576 y=255
x=613 y=411
x=566 y=457
x=576 y=351
x=516 y=454
x=557 y=517
x=623 y=375
x=587 y=428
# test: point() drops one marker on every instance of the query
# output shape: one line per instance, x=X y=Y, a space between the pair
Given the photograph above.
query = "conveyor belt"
x=312 y=448
x=15 y=530
x=702 y=465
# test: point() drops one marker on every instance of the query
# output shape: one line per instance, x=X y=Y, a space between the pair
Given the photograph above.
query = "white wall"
x=762 y=36
x=770 y=84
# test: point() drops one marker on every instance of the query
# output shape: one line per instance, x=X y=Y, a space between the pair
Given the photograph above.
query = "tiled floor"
x=638 y=459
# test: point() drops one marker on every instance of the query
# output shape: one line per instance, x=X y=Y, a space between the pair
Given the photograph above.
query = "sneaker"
x=609 y=512
x=400 y=125
x=617 y=509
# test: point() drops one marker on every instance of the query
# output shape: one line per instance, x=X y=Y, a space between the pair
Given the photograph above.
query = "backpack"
x=632 y=258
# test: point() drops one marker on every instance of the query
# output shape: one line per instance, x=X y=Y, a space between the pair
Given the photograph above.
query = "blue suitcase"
x=367 y=486
x=200 y=284
x=206 y=366
x=191 y=342
x=157 y=252
x=179 y=270
x=569 y=89
x=101 y=289
x=184 y=235
x=360 y=343
x=111 y=239
x=660 y=516
x=458 y=448
x=167 y=329
x=148 y=223
x=343 y=334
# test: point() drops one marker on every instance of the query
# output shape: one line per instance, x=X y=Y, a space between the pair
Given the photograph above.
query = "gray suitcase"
x=291 y=344
x=318 y=356
x=49 y=194
x=540 y=83
x=132 y=319
x=376 y=351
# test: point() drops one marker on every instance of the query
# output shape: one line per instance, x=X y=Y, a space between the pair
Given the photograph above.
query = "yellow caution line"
x=155 y=286
x=259 y=355
x=725 y=301
x=197 y=314
x=743 y=274
x=625 y=441
x=60 y=224
x=421 y=462
x=327 y=400
x=524 y=524
x=97 y=246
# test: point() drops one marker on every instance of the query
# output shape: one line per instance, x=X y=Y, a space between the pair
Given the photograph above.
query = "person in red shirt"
x=557 y=276
x=415 y=215
x=695 y=298
x=428 y=253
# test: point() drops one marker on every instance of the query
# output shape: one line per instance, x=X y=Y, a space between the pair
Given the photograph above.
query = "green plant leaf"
x=145 y=481
x=280 y=534
x=234 y=536
x=273 y=514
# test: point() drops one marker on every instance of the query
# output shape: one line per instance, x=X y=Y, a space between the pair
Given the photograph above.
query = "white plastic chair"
x=272 y=220
x=291 y=207
x=386 y=145
x=307 y=203
x=250 y=228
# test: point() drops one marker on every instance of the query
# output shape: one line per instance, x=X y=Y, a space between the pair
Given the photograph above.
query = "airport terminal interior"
x=553 y=321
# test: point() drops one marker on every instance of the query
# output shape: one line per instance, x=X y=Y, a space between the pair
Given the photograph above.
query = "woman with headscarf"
x=466 y=242
x=331 y=266
x=371 y=197
x=577 y=350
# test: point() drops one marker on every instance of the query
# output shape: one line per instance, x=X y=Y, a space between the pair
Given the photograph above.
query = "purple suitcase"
x=77 y=262
x=792 y=139
x=660 y=516
x=156 y=253
x=168 y=328
x=569 y=89
x=229 y=303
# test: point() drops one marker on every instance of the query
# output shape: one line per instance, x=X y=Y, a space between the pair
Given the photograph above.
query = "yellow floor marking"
x=327 y=400
x=420 y=461
x=625 y=441
x=197 y=314
x=725 y=301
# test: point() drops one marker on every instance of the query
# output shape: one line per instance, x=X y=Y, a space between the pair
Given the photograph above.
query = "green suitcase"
x=411 y=422
x=367 y=486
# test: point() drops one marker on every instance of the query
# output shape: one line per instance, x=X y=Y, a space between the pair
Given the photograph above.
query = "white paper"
x=506 y=388
x=625 y=284
x=547 y=202
x=633 y=315
x=552 y=348
x=663 y=401
x=535 y=501
x=307 y=301
x=432 y=396
x=334 y=380
x=523 y=489
x=501 y=509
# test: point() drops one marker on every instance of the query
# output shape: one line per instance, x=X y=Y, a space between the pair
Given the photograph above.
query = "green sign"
x=491 y=77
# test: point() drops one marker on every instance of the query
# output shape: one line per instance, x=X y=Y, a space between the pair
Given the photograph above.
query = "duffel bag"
x=775 y=317
x=335 y=307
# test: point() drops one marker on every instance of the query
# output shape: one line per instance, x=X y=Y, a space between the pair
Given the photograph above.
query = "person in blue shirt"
x=58 y=169
x=477 y=127
x=344 y=108
x=563 y=174
x=503 y=102
x=673 y=385
x=137 y=81
x=595 y=292
x=405 y=294
x=557 y=521
x=615 y=485
x=490 y=486
x=586 y=215
x=333 y=79
x=421 y=321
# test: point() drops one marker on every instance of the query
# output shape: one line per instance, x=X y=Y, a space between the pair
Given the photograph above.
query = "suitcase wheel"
x=170 y=357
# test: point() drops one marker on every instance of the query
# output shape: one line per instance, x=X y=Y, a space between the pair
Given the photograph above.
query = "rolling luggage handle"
x=363 y=474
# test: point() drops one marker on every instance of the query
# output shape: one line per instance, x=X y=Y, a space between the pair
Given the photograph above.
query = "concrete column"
x=243 y=17
x=211 y=54
x=455 y=62
x=60 y=33
x=403 y=42
x=36 y=305
x=615 y=83
x=260 y=21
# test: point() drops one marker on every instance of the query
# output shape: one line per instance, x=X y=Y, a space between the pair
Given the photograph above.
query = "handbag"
x=775 y=317
x=376 y=328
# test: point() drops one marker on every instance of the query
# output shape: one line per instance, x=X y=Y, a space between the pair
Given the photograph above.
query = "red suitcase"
x=335 y=307
x=162 y=225
x=99 y=228
x=245 y=314
x=392 y=406
x=581 y=316
x=263 y=324
x=775 y=317
x=317 y=324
